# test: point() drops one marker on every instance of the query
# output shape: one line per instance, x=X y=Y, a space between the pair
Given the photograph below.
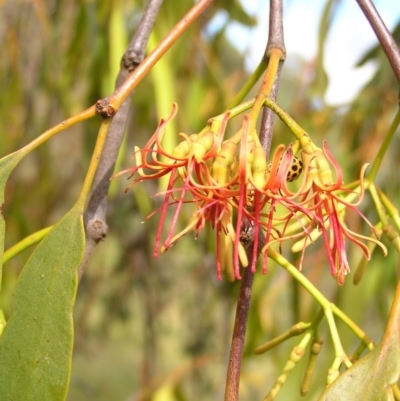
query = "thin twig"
x=384 y=36
x=275 y=40
x=95 y=214
x=136 y=49
x=108 y=106
x=239 y=333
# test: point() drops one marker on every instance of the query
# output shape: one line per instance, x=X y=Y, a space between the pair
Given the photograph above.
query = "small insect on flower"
x=325 y=198
x=294 y=171
x=247 y=234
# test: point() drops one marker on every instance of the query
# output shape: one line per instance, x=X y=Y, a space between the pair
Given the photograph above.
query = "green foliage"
x=7 y=165
x=369 y=379
x=36 y=345
x=158 y=329
x=372 y=377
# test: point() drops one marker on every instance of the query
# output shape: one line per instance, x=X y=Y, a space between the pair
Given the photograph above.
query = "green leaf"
x=7 y=165
x=36 y=346
x=2 y=235
x=321 y=80
x=237 y=12
x=372 y=377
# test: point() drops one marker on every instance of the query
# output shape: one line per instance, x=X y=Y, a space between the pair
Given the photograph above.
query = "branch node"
x=129 y=62
x=103 y=108
x=96 y=229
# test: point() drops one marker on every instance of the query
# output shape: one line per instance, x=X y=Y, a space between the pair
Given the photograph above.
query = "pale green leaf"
x=370 y=379
x=373 y=376
x=7 y=165
x=36 y=346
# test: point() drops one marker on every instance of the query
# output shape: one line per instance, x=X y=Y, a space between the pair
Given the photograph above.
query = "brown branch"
x=95 y=214
x=134 y=55
x=107 y=107
x=239 y=329
x=384 y=36
x=239 y=333
x=129 y=77
x=275 y=41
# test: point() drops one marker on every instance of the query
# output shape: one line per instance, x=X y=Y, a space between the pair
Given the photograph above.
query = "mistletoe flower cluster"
x=325 y=200
x=237 y=192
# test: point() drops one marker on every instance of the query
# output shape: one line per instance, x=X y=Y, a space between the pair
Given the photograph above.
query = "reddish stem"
x=275 y=41
x=239 y=333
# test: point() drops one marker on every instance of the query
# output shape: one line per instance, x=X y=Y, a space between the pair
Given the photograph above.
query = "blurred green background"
x=160 y=329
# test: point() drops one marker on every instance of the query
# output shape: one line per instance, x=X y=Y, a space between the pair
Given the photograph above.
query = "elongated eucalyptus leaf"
x=2 y=234
x=372 y=377
x=7 y=165
x=36 y=346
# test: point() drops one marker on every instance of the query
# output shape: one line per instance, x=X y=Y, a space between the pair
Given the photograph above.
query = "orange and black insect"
x=294 y=171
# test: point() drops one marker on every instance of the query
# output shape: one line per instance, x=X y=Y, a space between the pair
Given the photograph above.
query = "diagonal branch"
x=384 y=36
x=95 y=214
